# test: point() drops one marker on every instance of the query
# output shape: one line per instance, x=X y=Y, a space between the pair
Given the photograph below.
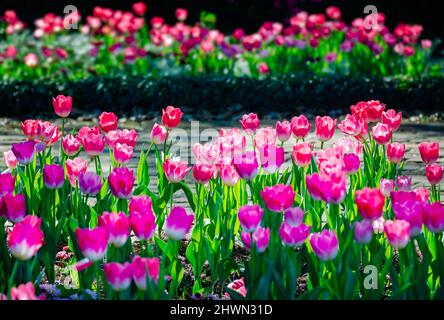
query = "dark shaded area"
x=218 y=97
x=249 y=14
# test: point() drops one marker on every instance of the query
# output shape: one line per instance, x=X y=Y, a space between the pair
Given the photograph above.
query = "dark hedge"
x=23 y=99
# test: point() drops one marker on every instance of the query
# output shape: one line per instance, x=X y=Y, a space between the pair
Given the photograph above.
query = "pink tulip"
x=158 y=134
x=261 y=238
x=53 y=176
x=207 y=153
x=397 y=233
x=92 y=140
x=329 y=188
x=203 y=172
x=392 y=119
x=386 y=186
x=250 y=122
x=229 y=175
x=118 y=226
x=351 y=163
x=429 y=151
x=433 y=215
x=171 y=117
x=360 y=110
x=181 y=14
x=381 y=133
x=239 y=287
x=71 y=145
x=121 y=182
x=325 y=128
x=348 y=145
x=178 y=223
x=283 y=130
x=333 y=12
x=363 y=231
x=7 y=184
x=325 y=245
x=422 y=194
x=93 y=242
x=26 y=238
x=263 y=68
x=123 y=153
x=175 y=170
x=410 y=211
x=250 y=217
x=272 y=158
x=10 y=160
x=128 y=137
x=302 y=152
x=15 y=207
x=378 y=225
x=294 y=236
x=278 y=198
x=118 y=275
x=300 y=127
x=247 y=165
x=139 y=8
x=374 y=110
x=108 y=121
x=75 y=168
x=434 y=173
x=294 y=216
x=370 y=203
x=31 y=60
x=90 y=183
x=24 y=151
x=403 y=183
x=395 y=152
x=141 y=267
x=351 y=125
x=142 y=218
x=26 y=292
x=62 y=105
x=265 y=136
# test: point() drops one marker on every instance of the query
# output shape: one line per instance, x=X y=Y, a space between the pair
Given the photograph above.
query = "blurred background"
x=249 y=14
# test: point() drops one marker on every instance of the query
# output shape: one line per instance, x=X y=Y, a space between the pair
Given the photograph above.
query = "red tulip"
x=139 y=8
x=203 y=172
x=374 y=110
x=302 y=153
x=429 y=151
x=250 y=122
x=325 y=128
x=62 y=105
x=370 y=203
x=434 y=173
x=395 y=152
x=171 y=117
x=108 y=121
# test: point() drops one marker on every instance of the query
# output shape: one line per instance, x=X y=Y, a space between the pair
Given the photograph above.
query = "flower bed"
x=111 y=42
x=337 y=211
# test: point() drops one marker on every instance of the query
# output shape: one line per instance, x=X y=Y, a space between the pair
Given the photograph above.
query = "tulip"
x=403 y=183
x=434 y=173
x=181 y=14
x=294 y=216
x=53 y=176
x=175 y=170
x=24 y=151
x=374 y=110
x=239 y=287
x=278 y=198
x=118 y=226
x=25 y=292
x=142 y=218
x=410 y=211
x=433 y=215
x=331 y=189
x=141 y=267
x=178 y=223
x=325 y=128
x=395 y=152
x=351 y=163
x=294 y=236
x=263 y=68
x=272 y=158
x=92 y=140
x=10 y=160
x=250 y=122
x=7 y=184
x=302 y=152
x=363 y=231
x=158 y=134
x=139 y=8
x=392 y=119
x=229 y=175
x=31 y=60
x=265 y=136
x=62 y=105
x=26 y=238
x=93 y=242
x=128 y=137
x=325 y=245
x=90 y=183
x=348 y=145
x=397 y=233
x=261 y=238
x=121 y=182
x=108 y=121
x=123 y=153
x=250 y=217
x=429 y=151
x=422 y=194
x=15 y=207
x=381 y=133
x=246 y=165
x=386 y=186
x=283 y=130
x=75 y=168
x=70 y=145
x=171 y=117
x=351 y=125
x=300 y=127
x=203 y=172
x=370 y=203
x=119 y=275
